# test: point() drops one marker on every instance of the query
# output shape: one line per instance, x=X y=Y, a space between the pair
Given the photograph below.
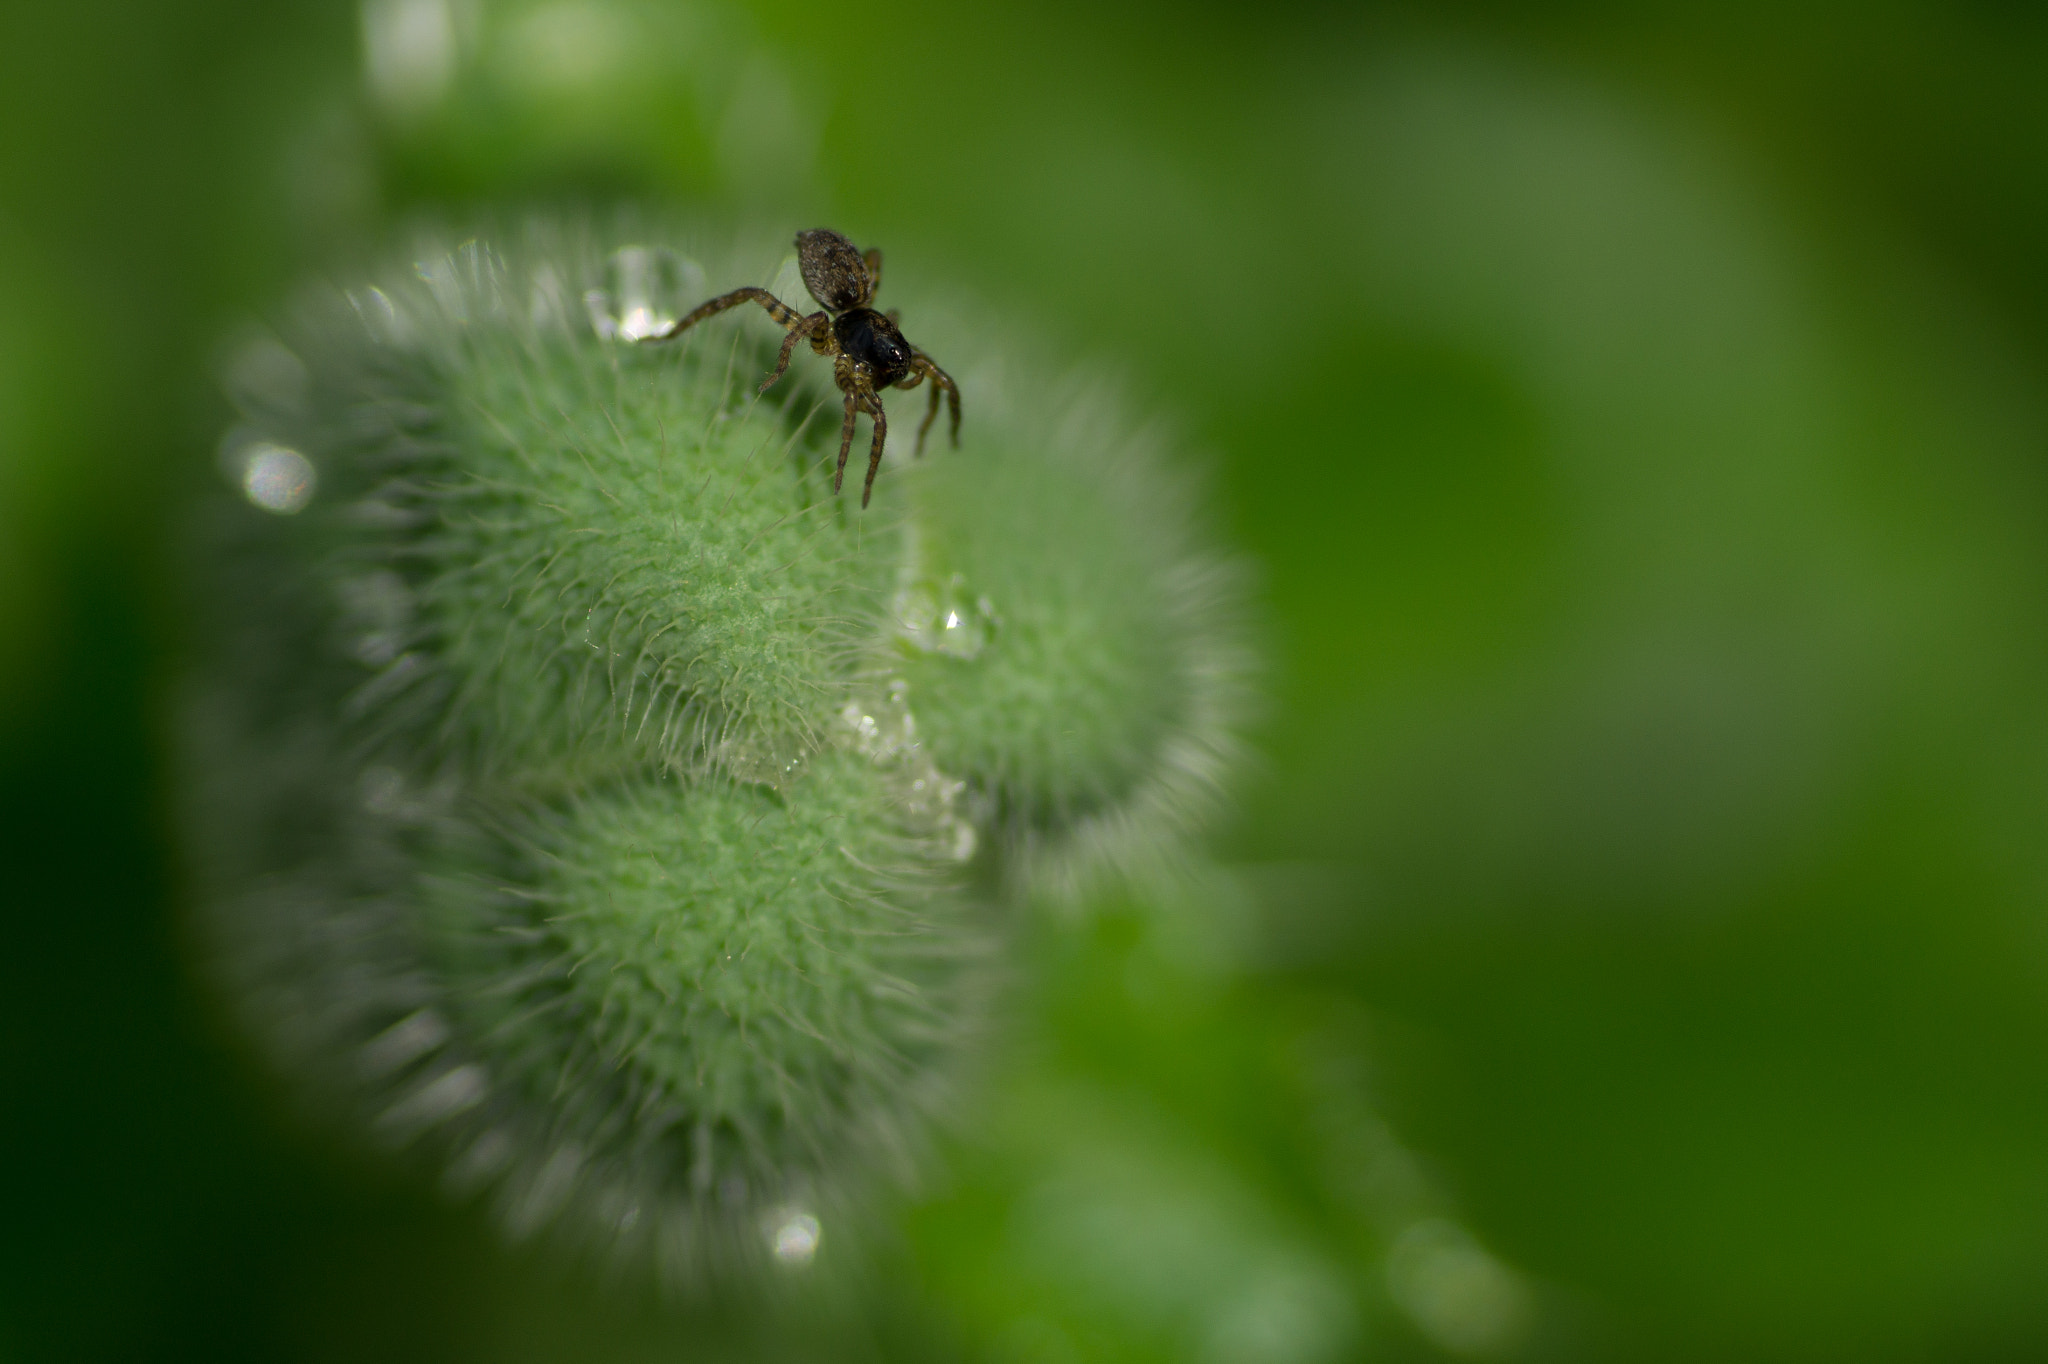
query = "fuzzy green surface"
x=636 y=551
x=763 y=962
x=1062 y=670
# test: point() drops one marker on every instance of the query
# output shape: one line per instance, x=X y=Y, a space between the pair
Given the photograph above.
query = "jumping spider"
x=868 y=352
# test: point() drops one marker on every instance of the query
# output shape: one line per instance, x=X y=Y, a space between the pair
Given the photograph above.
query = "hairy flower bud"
x=583 y=794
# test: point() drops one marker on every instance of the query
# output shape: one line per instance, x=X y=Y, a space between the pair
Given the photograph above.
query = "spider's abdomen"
x=833 y=270
x=872 y=340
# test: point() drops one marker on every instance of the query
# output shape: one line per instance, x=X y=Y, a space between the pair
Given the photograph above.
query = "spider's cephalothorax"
x=869 y=352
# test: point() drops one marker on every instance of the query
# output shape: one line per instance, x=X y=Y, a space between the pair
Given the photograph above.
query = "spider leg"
x=845 y=439
x=873 y=260
x=777 y=309
x=941 y=382
x=916 y=377
x=807 y=327
x=931 y=412
x=873 y=403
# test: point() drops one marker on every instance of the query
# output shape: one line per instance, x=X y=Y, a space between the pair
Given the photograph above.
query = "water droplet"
x=777 y=761
x=795 y=1238
x=887 y=734
x=881 y=734
x=640 y=275
x=277 y=478
x=942 y=618
x=648 y=285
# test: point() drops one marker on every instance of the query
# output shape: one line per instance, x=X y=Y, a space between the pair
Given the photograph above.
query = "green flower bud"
x=1068 y=646
x=586 y=797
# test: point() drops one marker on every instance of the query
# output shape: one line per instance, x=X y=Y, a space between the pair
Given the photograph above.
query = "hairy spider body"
x=870 y=338
x=869 y=352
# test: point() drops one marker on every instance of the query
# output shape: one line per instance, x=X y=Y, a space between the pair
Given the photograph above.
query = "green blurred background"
x=1632 y=943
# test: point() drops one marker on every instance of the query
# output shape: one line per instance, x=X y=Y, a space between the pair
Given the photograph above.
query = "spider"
x=868 y=352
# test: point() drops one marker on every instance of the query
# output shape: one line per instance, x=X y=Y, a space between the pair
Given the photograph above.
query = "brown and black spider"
x=869 y=352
